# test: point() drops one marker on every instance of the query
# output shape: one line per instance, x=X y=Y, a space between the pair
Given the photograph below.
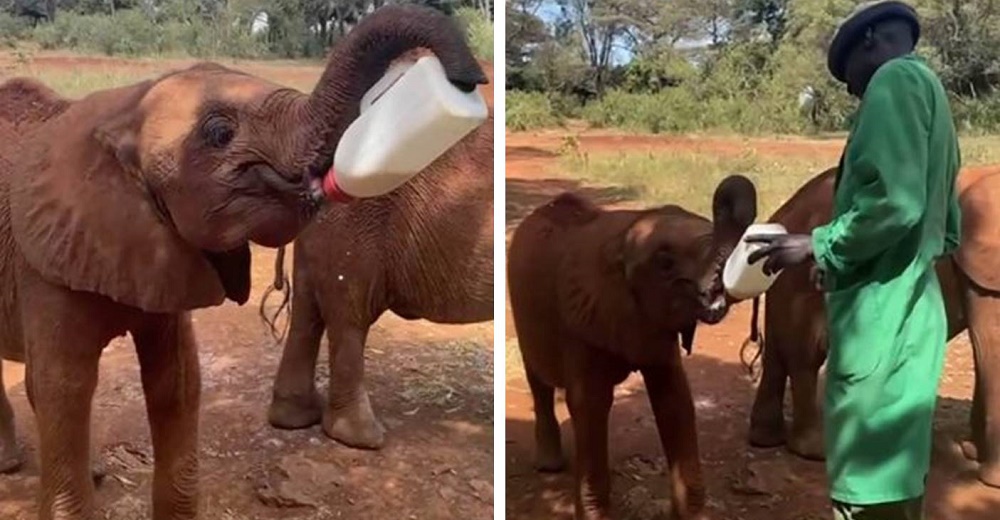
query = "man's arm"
x=890 y=165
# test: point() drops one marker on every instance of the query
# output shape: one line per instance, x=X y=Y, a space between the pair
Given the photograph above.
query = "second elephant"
x=597 y=294
x=795 y=341
x=424 y=251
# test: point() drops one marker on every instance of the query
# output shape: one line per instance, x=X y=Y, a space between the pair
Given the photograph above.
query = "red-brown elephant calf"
x=598 y=294
x=795 y=327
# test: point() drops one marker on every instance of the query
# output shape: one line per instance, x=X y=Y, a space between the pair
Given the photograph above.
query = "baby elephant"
x=598 y=294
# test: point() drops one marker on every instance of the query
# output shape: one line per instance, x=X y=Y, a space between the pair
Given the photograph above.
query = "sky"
x=549 y=12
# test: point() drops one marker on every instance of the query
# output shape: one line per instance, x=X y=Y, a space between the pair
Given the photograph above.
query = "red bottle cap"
x=332 y=191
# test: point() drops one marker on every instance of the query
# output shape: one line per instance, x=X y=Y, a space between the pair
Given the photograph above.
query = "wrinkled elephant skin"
x=597 y=294
x=795 y=328
x=424 y=251
x=123 y=211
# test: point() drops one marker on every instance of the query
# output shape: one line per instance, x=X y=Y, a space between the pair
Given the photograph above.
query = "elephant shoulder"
x=569 y=209
x=25 y=100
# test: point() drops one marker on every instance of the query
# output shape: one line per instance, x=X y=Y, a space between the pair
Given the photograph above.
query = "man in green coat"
x=895 y=212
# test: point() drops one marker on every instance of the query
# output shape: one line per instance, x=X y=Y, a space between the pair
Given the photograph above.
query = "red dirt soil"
x=743 y=483
x=431 y=384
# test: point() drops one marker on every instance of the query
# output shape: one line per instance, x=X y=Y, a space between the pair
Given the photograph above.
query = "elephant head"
x=150 y=194
x=673 y=258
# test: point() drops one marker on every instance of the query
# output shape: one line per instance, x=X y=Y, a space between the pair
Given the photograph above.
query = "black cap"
x=853 y=28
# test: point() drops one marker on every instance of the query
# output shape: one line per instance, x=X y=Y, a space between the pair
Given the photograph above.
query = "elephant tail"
x=283 y=285
x=755 y=341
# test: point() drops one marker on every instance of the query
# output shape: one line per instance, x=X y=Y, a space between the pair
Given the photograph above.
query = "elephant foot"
x=989 y=474
x=549 y=461
x=767 y=437
x=593 y=515
x=98 y=472
x=809 y=446
x=294 y=413
x=355 y=425
x=11 y=459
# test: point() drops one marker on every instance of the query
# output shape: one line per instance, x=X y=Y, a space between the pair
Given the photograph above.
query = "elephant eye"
x=218 y=131
x=663 y=260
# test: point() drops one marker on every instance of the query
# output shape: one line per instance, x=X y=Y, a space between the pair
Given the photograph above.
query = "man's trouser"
x=912 y=509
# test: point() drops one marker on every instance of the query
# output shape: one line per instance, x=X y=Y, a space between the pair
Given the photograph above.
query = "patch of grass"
x=76 y=83
x=980 y=150
x=527 y=110
x=78 y=80
x=690 y=178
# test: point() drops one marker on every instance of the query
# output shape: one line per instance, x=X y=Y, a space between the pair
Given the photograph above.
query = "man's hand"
x=781 y=251
x=817 y=278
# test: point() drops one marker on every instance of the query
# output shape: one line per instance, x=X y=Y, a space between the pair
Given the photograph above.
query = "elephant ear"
x=84 y=218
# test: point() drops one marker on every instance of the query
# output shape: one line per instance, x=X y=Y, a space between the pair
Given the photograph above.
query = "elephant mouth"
x=714 y=311
x=307 y=190
x=714 y=308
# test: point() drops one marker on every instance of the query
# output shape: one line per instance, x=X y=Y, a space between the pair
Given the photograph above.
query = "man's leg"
x=912 y=509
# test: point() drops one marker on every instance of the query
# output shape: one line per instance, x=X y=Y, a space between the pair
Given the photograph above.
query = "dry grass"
x=77 y=75
x=689 y=178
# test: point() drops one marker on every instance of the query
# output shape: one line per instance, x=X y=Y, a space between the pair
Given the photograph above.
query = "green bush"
x=478 y=31
x=977 y=115
x=12 y=29
x=527 y=110
x=131 y=33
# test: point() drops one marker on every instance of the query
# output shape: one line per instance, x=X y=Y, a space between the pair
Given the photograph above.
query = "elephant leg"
x=171 y=381
x=295 y=403
x=348 y=417
x=673 y=408
x=977 y=417
x=589 y=397
x=807 y=429
x=984 y=330
x=548 y=440
x=62 y=366
x=11 y=456
x=767 y=418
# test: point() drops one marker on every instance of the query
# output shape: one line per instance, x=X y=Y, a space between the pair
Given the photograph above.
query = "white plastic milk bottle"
x=409 y=118
x=741 y=280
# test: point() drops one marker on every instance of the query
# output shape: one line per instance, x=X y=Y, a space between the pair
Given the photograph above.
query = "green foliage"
x=207 y=28
x=12 y=29
x=131 y=33
x=527 y=110
x=751 y=66
x=478 y=31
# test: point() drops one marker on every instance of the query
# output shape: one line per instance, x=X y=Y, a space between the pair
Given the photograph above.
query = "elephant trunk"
x=734 y=208
x=360 y=59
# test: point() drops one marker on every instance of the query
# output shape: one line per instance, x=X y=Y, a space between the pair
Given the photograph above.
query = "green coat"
x=895 y=212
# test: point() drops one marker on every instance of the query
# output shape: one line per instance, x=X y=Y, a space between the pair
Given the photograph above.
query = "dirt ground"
x=432 y=385
x=743 y=483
